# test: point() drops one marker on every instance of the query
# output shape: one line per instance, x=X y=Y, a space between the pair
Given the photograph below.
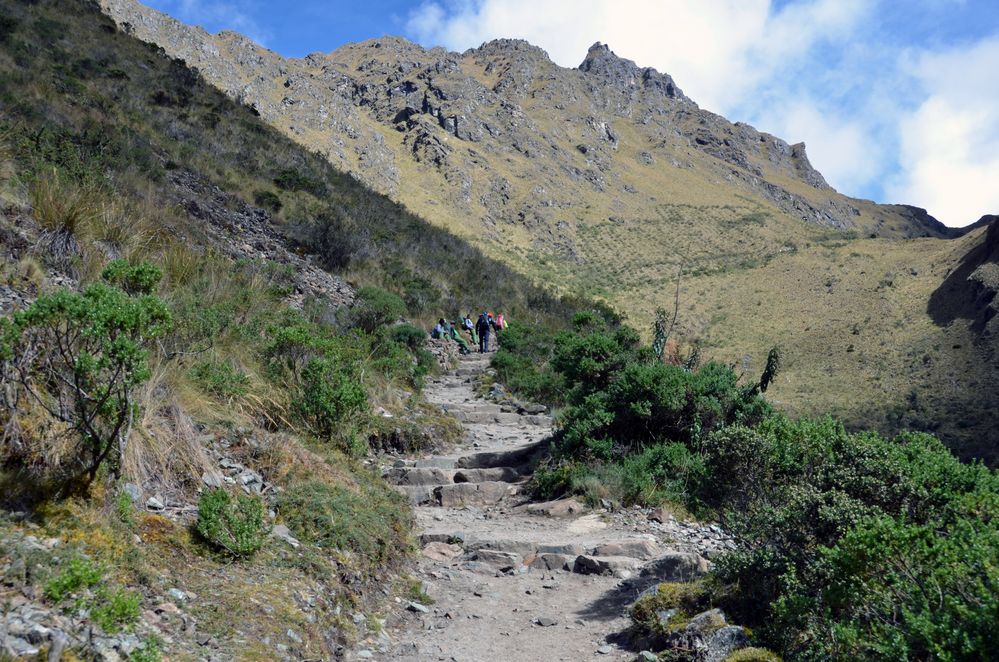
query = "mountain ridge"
x=513 y=67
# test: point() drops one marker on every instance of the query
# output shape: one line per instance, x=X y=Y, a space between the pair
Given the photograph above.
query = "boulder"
x=677 y=567
x=560 y=508
x=617 y=566
x=494 y=474
x=441 y=551
x=498 y=558
x=552 y=562
x=638 y=549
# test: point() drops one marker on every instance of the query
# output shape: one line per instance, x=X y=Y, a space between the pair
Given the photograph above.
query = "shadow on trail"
x=616 y=601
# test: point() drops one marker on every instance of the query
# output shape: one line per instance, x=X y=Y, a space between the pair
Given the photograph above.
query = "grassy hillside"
x=129 y=185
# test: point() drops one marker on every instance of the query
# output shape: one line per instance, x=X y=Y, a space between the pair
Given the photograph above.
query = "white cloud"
x=950 y=144
x=847 y=151
x=717 y=50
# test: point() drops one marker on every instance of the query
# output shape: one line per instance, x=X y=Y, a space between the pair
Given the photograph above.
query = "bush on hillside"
x=79 y=357
x=371 y=523
x=220 y=379
x=375 y=308
x=329 y=395
x=235 y=526
x=412 y=337
x=861 y=547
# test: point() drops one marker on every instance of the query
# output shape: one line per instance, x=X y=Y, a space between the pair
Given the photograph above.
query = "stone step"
x=517 y=457
x=501 y=474
x=617 y=566
x=472 y=494
x=643 y=549
x=502 y=418
x=436 y=463
x=418 y=495
x=635 y=549
x=474 y=407
x=419 y=476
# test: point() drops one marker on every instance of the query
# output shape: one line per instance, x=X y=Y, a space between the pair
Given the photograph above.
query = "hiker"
x=455 y=335
x=500 y=324
x=439 y=330
x=470 y=327
x=482 y=328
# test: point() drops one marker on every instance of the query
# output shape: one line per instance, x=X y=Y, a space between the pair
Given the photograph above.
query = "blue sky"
x=897 y=101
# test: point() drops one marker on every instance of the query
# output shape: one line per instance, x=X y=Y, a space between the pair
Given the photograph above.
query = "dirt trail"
x=512 y=580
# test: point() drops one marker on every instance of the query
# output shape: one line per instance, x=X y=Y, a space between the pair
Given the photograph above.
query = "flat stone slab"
x=472 y=494
x=435 y=463
x=520 y=547
x=441 y=551
x=417 y=494
x=418 y=476
x=552 y=562
x=492 y=474
x=559 y=508
x=498 y=558
x=636 y=549
x=618 y=566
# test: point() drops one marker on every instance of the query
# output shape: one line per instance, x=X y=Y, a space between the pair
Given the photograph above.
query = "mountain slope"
x=607 y=180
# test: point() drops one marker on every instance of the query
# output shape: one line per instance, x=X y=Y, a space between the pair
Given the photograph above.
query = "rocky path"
x=515 y=580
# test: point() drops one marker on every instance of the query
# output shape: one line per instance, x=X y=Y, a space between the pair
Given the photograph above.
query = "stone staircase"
x=460 y=497
x=504 y=571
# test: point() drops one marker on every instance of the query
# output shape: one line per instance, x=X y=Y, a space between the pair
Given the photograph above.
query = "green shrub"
x=89 y=350
x=892 y=590
x=297 y=180
x=233 y=525
x=221 y=379
x=374 y=308
x=75 y=576
x=268 y=200
x=150 y=651
x=372 y=524
x=412 y=337
x=112 y=609
x=134 y=280
x=549 y=482
x=660 y=473
x=330 y=394
x=421 y=295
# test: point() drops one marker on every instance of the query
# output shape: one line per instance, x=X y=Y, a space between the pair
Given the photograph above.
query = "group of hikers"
x=479 y=331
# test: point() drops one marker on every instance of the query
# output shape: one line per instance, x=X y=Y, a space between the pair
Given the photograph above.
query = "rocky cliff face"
x=500 y=143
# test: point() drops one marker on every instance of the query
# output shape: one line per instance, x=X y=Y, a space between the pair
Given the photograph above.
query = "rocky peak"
x=511 y=48
x=601 y=61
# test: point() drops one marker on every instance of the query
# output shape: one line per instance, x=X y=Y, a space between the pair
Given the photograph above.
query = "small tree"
x=79 y=356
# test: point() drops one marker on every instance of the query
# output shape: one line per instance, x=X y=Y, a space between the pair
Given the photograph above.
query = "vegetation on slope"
x=849 y=545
